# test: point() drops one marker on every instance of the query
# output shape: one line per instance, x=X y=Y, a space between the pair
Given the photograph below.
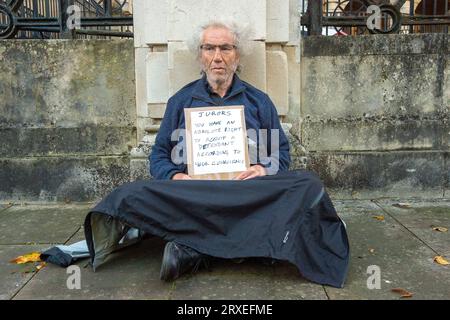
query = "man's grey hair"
x=240 y=32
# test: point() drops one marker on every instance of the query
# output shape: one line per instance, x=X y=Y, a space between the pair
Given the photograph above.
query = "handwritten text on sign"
x=217 y=141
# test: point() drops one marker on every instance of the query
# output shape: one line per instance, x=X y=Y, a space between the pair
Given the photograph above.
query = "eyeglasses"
x=223 y=48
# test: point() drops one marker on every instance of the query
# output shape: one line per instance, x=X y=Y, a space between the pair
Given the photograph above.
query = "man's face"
x=219 y=63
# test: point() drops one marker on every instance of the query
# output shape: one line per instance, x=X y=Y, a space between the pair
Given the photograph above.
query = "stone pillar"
x=164 y=64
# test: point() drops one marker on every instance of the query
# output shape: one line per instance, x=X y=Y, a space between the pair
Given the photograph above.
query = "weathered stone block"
x=405 y=44
x=277 y=80
x=446 y=135
x=183 y=66
x=156 y=111
x=157 y=77
x=254 y=69
x=277 y=20
x=359 y=86
x=139 y=169
x=139 y=23
x=447 y=181
x=294 y=21
x=293 y=59
x=381 y=174
x=67 y=83
x=446 y=83
x=186 y=15
x=150 y=22
x=141 y=81
x=142 y=123
x=372 y=134
x=26 y=142
x=62 y=178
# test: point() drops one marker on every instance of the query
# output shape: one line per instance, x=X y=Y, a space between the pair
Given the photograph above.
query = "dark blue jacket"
x=260 y=113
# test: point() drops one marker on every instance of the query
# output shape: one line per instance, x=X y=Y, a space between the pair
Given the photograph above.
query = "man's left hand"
x=254 y=171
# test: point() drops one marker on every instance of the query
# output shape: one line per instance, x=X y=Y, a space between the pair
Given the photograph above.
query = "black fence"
x=49 y=19
x=52 y=19
x=356 y=17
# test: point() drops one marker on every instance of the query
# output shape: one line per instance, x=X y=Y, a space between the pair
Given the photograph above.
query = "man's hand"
x=181 y=176
x=254 y=171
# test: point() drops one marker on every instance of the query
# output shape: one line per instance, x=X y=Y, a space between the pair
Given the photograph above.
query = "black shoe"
x=179 y=259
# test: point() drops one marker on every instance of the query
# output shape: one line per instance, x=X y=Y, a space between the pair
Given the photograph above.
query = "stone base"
x=383 y=174
x=62 y=179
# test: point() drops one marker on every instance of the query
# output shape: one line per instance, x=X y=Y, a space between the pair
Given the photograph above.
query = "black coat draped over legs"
x=288 y=216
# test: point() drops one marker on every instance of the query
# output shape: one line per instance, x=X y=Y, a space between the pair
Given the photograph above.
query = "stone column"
x=164 y=64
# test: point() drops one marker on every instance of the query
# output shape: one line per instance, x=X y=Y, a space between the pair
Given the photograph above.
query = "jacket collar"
x=200 y=90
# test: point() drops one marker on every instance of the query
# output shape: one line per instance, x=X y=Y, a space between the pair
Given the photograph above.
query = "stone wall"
x=67 y=118
x=369 y=114
x=375 y=113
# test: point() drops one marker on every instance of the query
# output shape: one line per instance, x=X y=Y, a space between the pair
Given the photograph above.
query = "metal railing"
x=50 y=19
x=356 y=17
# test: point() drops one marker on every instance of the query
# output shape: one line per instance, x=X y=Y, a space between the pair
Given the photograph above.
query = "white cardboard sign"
x=216 y=142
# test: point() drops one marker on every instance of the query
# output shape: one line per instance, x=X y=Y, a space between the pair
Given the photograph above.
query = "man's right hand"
x=181 y=176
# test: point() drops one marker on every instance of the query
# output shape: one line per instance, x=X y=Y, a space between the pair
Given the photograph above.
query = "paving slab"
x=400 y=245
x=404 y=260
x=14 y=276
x=4 y=206
x=420 y=219
x=251 y=279
x=132 y=273
x=289 y=285
x=40 y=224
x=78 y=236
x=226 y=280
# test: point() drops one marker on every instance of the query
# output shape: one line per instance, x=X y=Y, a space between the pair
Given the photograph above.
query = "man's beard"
x=219 y=80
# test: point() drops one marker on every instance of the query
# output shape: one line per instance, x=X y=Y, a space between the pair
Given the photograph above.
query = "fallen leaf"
x=41 y=265
x=403 y=293
x=379 y=218
x=440 y=229
x=403 y=205
x=440 y=260
x=30 y=257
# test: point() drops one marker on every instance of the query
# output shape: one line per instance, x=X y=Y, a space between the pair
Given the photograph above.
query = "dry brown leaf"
x=440 y=229
x=379 y=218
x=29 y=257
x=41 y=265
x=440 y=260
x=403 y=293
x=403 y=205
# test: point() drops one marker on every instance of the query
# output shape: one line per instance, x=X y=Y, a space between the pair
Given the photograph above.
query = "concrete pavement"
x=402 y=247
